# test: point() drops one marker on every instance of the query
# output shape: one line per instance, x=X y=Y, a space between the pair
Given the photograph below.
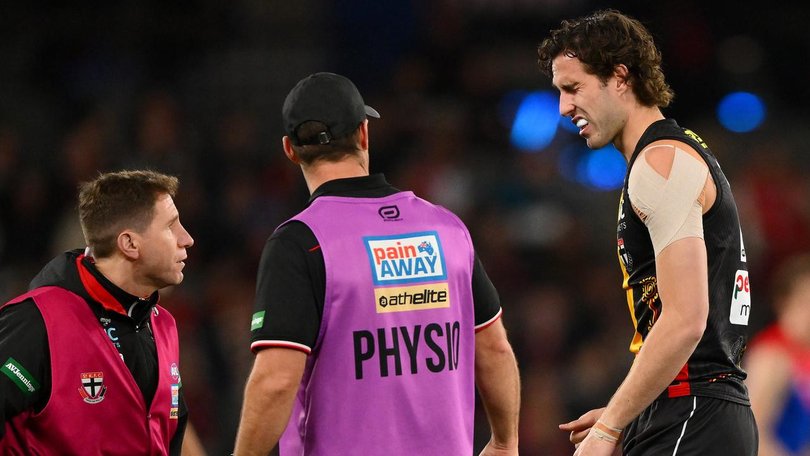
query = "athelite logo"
x=93 y=388
x=408 y=271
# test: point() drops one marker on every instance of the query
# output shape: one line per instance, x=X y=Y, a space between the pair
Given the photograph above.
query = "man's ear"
x=129 y=243
x=364 y=134
x=622 y=77
x=289 y=151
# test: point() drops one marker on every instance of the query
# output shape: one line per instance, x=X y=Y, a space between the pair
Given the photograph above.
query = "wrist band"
x=602 y=435
x=614 y=433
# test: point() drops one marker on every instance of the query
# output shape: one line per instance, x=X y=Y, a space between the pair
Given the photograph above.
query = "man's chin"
x=176 y=280
x=594 y=144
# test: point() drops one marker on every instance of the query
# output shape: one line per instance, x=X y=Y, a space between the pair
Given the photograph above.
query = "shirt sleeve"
x=23 y=351
x=485 y=296
x=289 y=291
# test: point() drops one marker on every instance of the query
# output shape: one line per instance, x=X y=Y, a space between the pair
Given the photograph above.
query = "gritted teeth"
x=581 y=123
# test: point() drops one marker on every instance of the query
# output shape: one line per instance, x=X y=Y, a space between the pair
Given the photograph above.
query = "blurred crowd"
x=195 y=90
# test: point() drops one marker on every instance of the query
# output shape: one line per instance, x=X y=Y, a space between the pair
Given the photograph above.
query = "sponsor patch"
x=399 y=299
x=173 y=411
x=406 y=258
x=627 y=260
x=408 y=271
x=93 y=388
x=740 y=299
x=20 y=376
x=389 y=213
x=695 y=136
x=257 y=321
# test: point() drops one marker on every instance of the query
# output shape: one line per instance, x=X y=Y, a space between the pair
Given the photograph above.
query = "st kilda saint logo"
x=93 y=388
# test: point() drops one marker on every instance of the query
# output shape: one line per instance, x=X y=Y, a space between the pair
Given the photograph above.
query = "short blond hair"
x=117 y=201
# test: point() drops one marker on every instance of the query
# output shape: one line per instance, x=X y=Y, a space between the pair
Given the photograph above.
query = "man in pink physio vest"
x=374 y=319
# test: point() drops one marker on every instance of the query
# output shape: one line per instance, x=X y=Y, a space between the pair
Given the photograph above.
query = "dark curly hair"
x=605 y=39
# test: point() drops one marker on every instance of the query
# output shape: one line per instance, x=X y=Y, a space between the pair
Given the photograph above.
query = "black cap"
x=328 y=98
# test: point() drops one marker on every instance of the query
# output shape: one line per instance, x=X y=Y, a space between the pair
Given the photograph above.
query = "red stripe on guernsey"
x=96 y=290
x=682 y=388
x=315 y=248
x=492 y=320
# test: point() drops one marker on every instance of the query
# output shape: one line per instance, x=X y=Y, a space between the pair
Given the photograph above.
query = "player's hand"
x=580 y=427
x=493 y=449
x=592 y=446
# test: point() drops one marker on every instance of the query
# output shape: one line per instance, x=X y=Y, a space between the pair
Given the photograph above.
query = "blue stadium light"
x=535 y=122
x=741 y=112
x=601 y=169
x=508 y=106
x=569 y=158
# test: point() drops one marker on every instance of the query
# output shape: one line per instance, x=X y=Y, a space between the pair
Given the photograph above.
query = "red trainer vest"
x=95 y=407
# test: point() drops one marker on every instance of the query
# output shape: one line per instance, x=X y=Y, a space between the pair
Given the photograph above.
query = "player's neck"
x=638 y=120
x=121 y=273
x=323 y=171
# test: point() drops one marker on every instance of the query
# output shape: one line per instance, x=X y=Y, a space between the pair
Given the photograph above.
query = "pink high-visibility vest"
x=95 y=407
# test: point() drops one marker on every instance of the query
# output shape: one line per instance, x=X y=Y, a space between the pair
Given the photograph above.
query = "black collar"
x=133 y=306
x=372 y=186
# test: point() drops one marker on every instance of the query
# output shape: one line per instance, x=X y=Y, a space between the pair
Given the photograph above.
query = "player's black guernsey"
x=714 y=368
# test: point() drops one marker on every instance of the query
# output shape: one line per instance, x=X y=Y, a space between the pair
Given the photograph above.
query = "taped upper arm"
x=665 y=187
x=660 y=158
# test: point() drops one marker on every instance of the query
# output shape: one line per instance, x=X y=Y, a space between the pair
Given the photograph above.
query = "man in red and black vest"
x=90 y=362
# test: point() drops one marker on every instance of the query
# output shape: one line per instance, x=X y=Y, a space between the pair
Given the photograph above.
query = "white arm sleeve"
x=670 y=206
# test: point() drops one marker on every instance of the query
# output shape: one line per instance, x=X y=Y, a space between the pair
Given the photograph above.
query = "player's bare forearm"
x=666 y=350
x=682 y=276
x=268 y=403
x=498 y=382
x=493 y=450
x=260 y=426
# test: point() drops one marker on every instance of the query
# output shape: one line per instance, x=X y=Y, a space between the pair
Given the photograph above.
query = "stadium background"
x=195 y=88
